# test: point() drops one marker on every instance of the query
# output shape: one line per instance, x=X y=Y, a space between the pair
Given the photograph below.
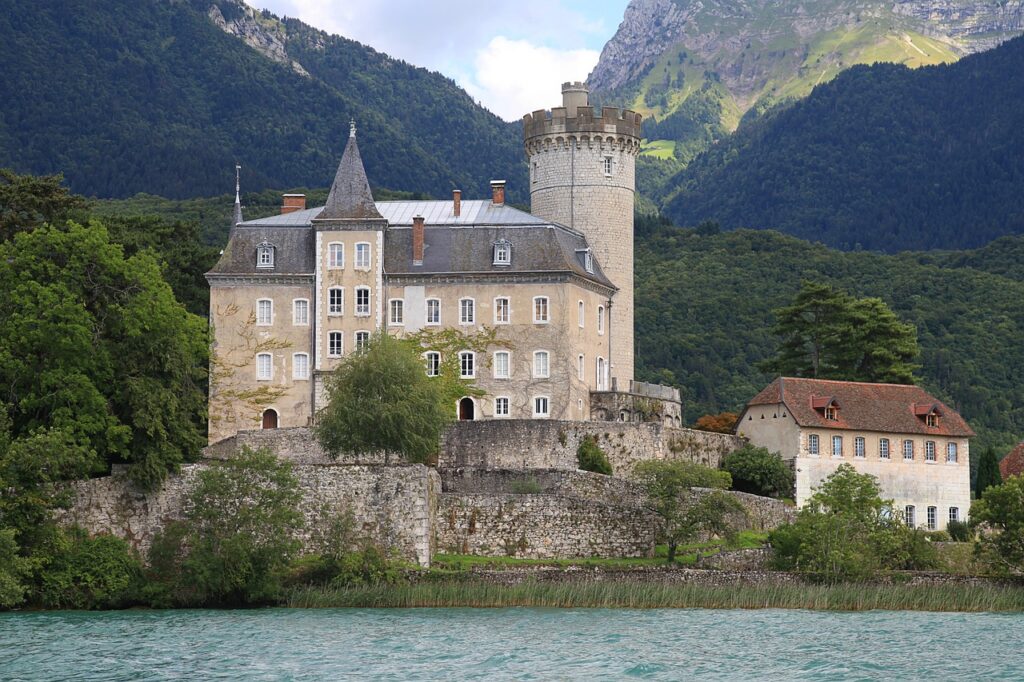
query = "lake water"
x=482 y=644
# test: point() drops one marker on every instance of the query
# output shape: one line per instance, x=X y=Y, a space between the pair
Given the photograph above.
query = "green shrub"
x=686 y=474
x=1000 y=515
x=759 y=472
x=525 y=486
x=82 y=572
x=367 y=566
x=13 y=570
x=592 y=458
x=959 y=531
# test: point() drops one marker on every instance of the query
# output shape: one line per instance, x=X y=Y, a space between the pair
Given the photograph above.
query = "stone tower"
x=583 y=175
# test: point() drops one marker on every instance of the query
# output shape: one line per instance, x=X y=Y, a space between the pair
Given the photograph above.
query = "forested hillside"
x=705 y=302
x=883 y=158
x=128 y=96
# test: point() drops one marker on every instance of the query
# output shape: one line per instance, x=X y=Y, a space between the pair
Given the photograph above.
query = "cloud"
x=515 y=77
x=505 y=54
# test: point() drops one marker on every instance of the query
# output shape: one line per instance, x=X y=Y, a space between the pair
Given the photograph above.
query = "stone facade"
x=583 y=175
x=393 y=506
x=519 y=444
x=640 y=402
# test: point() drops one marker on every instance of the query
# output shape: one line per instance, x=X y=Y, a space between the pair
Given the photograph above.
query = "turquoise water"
x=499 y=644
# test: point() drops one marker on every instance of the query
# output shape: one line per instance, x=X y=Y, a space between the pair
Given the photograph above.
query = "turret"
x=583 y=175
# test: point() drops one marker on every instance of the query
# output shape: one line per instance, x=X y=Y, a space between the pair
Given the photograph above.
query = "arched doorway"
x=270 y=419
x=467 y=410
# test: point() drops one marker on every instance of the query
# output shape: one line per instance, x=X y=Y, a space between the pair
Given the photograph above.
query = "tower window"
x=606 y=164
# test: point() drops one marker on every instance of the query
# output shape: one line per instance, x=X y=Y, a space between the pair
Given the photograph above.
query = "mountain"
x=883 y=158
x=697 y=66
x=705 y=302
x=163 y=96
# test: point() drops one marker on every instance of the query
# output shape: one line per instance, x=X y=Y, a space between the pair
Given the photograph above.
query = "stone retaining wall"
x=297 y=445
x=545 y=444
x=393 y=506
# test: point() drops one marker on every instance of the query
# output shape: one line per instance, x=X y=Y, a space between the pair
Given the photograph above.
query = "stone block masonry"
x=542 y=444
x=394 y=506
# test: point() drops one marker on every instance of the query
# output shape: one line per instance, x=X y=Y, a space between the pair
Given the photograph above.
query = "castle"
x=552 y=290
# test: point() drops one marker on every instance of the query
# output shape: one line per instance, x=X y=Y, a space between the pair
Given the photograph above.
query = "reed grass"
x=645 y=595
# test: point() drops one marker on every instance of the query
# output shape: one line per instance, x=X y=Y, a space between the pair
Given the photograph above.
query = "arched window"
x=467 y=364
x=602 y=375
x=502 y=311
x=580 y=314
x=541 y=364
x=600 y=319
x=300 y=366
x=541 y=313
x=269 y=420
x=264 y=312
x=909 y=515
x=502 y=252
x=265 y=255
x=363 y=256
x=300 y=312
x=467 y=311
x=335 y=256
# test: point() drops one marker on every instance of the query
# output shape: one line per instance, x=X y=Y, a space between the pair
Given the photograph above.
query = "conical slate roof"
x=350 y=197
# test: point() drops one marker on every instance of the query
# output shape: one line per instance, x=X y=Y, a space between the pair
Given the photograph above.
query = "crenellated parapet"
x=557 y=128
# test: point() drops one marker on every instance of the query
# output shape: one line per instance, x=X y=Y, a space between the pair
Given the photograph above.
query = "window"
x=335 y=255
x=502 y=311
x=264 y=255
x=264 y=312
x=362 y=301
x=502 y=252
x=883 y=448
x=362 y=339
x=931 y=419
x=467 y=311
x=397 y=315
x=541 y=407
x=951 y=453
x=335 y=301
x=606 y=165
x=334 y=345
x=929 y=451
x=433 y=311
x=300 y=366
x=581 y=367
x=433 y=359
x=501 y=364
x=501 y=407
x=535 y=173
x=467 y=364
x=300 y=312
x=954 y=513
x=813 y=444
x=264 y=367
x=602 y=375
x=363 y=256
x=541 y=365
x=580 y=315
x=837 y=446
x=908 y=449
x=540 y=310
x=908 y=515
x=858 y=447
x=600 y=319
x=832 y=414
x=588 y=261
x=932 y=513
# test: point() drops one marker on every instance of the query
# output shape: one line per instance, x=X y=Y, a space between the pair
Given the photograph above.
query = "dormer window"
x=930 y=414
x=265 y=255
x=502 y=252
x=931 y=419
x=827 y=407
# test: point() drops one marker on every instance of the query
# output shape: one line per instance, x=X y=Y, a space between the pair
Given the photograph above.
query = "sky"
x=512 y=57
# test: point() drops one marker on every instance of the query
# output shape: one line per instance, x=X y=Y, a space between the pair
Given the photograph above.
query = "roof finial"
x=352 y=128
x=238 y=183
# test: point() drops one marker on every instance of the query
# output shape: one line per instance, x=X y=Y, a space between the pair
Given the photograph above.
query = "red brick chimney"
x=498 y=192
x=456 y=202
x=417 y=240
x=293 y=203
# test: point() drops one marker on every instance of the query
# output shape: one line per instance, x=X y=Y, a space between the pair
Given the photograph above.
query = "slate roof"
x=541 y=248
x=1013 y=463
x=885 y=408
x=350 y=197
x=473 y=212
x=293 y=251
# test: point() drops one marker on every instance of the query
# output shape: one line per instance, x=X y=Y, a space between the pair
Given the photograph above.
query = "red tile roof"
x=885 y=408
x=1013 y=463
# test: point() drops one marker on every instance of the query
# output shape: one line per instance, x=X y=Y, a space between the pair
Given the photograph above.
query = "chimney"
x=456 y=202
x=574 y=95
x=293 y=203
x=417 y=240
x=498 y=192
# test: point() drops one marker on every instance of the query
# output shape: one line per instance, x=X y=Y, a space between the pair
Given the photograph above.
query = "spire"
x=238 y=196
x=350 y=197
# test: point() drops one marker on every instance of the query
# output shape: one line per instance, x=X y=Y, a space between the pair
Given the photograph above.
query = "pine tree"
x=988 y=472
